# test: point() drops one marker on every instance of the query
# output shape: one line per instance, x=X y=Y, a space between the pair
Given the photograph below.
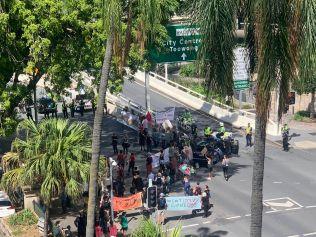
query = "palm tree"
x=53 y=155
x=282 y=35
x=149 y=14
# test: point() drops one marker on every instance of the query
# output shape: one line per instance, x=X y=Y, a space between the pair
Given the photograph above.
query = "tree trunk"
x=35 y=105
x=257 y=177
x=312 y=104
x=96 y=137
x=128 y=35
x=46 y=221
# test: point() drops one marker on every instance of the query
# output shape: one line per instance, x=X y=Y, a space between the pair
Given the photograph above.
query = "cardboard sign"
x=183 y=203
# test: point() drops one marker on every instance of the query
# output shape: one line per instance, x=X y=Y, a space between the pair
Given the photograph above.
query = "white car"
x=6 y=207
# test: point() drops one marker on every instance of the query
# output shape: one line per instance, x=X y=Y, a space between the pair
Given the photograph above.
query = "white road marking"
x=309 y=234
x=281 y=204
x=277 y=182
x=294 y=202
x=206 y=222
x=272 y=211
x=185 y=226
x=293 y=236
x=248 y=215
x=233 y=217
x=310 y=206
x=294 y=208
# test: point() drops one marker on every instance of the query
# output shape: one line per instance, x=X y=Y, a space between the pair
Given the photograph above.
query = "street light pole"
x=147 y=95
x=112 y=163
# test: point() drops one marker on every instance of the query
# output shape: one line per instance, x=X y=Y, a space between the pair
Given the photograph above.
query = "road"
x=289 y=186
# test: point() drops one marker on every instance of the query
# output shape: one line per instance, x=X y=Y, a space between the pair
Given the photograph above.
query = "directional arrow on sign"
x=183 y=56
x=280 y=204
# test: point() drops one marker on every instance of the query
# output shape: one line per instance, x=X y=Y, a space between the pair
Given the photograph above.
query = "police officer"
x=207 y=131
x=81 y=106
x=285 y=135
x=248 y=135
x=221 y=130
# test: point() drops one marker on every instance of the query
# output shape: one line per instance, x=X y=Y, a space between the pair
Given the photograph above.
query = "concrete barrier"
x=236 y=118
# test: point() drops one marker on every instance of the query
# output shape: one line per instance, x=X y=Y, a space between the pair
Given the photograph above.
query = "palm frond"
x=216 y=21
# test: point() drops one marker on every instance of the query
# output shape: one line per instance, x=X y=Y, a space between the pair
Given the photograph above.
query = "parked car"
x=6 y=206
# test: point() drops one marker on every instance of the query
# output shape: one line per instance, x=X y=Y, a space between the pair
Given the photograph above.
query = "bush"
x=24 y=218
x=300 y=115
x=188 y=70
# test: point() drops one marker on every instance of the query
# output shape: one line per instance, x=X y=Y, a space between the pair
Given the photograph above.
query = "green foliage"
x=189 y=70
x=53 y=154
x=22 y=218
x=216 y=21
x=147 y=228
x=301 y=115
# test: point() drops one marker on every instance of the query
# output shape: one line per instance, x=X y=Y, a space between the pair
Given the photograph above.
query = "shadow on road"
x=206 y=232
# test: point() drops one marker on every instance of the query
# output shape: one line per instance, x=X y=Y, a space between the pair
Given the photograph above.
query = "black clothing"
x=114 y=143
x=138 y=184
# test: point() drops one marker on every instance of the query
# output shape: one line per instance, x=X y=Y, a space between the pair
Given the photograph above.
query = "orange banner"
x=127 y=203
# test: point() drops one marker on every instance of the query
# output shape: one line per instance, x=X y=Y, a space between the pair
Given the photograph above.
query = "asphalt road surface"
x=289 y=187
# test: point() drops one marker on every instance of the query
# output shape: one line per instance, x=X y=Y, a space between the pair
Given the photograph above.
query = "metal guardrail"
x=198 y=95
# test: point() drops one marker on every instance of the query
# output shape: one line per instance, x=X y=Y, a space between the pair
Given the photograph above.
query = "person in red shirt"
x=98 y=230
x=132 y=160
x=121 y=159
x=112 y=229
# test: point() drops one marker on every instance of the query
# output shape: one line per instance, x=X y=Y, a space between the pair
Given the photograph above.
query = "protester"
x=205 y=204
x=98 y=230
x=148 y=143
x=138 y=183
x=125 y=144
x=225 y=163
x=186 y=186
x=165 y=184
x=142 y=139
x=248 y=135
x=57 y=231
x=149 y=161
x=112 y=229
x=80 y=224
x=207 y=191
x=162 y=206
x=121 y=159
x=209 y=166
x=114 y=143
x=67 y=231
x=131 y=164
x=124 y=223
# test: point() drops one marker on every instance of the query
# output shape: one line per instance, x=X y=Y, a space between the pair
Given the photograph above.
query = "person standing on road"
x=149 y=161
x=112 y=229
x=225 y=163
x=72 y=108
x=54 y=109
x=114 y=143
x=142 y=139
x=248 y=135
x=29 y=112
x=209 y=166
x=93 y=106
x=64 y=108
x=149 y=143
x=186 y=186
x=205 y=204
x=124 y=223
x=79 y=223
x=162 y=206
x=81 y=107
x=131 y=164
x=125 y=144
x=285 y=137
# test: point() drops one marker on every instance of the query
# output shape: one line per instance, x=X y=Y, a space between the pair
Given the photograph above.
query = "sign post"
x=182 y=45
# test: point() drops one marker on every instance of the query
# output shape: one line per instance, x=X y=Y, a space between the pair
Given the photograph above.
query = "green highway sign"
x=241 y=84
x=182 y=45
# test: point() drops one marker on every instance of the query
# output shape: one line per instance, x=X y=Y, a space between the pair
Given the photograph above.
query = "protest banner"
x=127 y=203
x=165 y=115
x=183 y=203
